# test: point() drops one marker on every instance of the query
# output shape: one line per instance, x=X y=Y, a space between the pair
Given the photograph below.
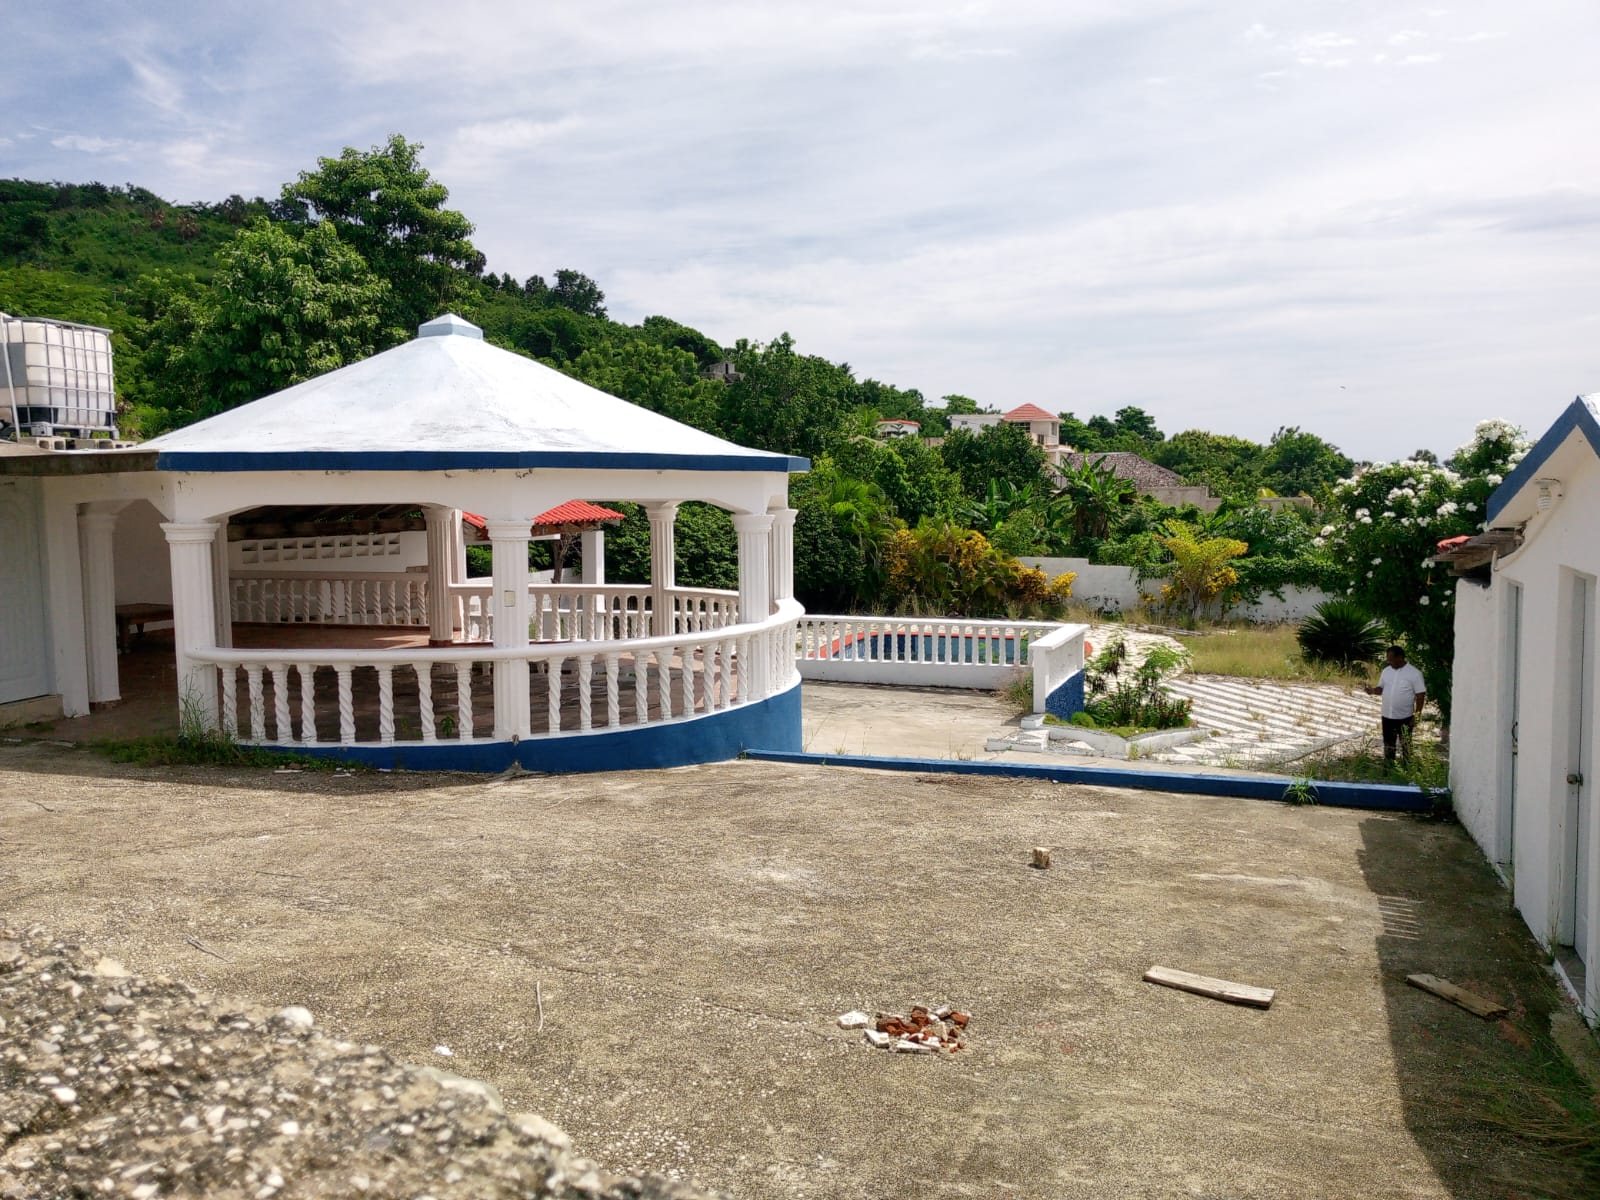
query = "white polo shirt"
x=1401 y=687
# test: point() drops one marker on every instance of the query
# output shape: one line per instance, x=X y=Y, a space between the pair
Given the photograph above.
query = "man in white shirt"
x=1404 y=693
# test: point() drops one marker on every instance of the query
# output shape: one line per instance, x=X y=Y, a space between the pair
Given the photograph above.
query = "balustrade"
x=386 y=697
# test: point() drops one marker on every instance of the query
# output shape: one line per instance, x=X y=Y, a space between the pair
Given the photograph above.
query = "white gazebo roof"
x=448 y=400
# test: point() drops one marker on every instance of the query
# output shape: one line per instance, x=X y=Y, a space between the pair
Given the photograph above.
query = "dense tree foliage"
x=1386 y=524
x=283 y=307
x=390 y=210
x=212 y=305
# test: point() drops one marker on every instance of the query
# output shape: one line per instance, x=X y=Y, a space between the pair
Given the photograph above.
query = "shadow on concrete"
x=1461 y=1078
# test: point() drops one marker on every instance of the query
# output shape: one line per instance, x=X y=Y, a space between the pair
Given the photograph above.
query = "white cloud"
x=89 y=144
x=1107 y=214
x=1402 y=36
x=1419 y=60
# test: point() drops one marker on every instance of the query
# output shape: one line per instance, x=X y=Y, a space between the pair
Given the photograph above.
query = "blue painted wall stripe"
x=1379 y=796
x=773 y=724
x=447 y=460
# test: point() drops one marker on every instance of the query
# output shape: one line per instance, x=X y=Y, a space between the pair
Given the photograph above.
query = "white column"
x=458 y=547
x=782 y=553
x=755 y=589
x=97 y=548
x=64 y=597
x=440 y=553
x=594 y=556
x=222 y=587
x=194 y=619
x=755 y=572
x=509 y=604
x=663 y=555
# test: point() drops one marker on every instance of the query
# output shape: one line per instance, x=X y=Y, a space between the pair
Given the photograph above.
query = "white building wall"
x=144 y=575
x=1557 y=545
x=1477 y=755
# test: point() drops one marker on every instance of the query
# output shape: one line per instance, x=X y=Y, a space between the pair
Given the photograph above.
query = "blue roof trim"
x=1578 y=416
x=484 y=460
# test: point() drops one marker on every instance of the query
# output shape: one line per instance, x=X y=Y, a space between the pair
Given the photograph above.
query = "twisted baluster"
x=664 y=682
x=258 y=708
x=386 y=705
x=613 y=707
x=641 y=688
x=585 y=685
x=230 y=700
x=463 y=700
x=308 y=703
x=347 y=706
x=553 y=691
x=425 y=699
x=690 y=664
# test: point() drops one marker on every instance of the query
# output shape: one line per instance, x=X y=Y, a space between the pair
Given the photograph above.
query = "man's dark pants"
x=1397 y=731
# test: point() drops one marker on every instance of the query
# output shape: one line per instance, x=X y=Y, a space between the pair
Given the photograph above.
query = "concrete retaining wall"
x=1117 y=589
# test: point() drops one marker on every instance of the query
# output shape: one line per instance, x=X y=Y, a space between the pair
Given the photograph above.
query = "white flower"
x=1424 y=600
x=1388 y=516
x=1405 y=520
x=1327 y=531
x=1494 y=479
x=1448 y=508
x=1369 y=574
x=1363 y=512
x=1366 y=520
x=1422 y=522
x=1376 y=561
x=1317 y=541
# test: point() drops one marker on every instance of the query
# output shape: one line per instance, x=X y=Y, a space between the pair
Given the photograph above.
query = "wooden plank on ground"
x=1444 y=989
x=1216 y=989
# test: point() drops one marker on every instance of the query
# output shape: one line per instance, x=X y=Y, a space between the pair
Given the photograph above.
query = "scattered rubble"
x=924 y=1031
x=118 y=1085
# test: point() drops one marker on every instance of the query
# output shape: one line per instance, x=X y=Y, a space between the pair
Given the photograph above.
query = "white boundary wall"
x=1116 y=589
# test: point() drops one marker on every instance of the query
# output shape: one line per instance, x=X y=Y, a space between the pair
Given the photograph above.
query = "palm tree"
x=1095 y=492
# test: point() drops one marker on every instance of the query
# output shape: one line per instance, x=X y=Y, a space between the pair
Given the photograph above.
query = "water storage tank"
x=55 y=378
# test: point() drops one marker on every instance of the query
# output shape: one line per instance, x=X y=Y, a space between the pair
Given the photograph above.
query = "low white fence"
x=1056 y=658
x=907 y=651
x=309 y=697
x=594 y=612
x=351 y=598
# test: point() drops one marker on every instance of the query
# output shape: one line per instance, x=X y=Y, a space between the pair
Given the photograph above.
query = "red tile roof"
x=573 y=512
x=1030 y=412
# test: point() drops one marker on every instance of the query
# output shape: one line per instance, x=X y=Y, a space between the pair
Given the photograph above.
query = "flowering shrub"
x=943 y=569
x=1388 y=521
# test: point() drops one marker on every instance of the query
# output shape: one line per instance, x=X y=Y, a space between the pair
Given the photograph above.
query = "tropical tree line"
x=213 y=305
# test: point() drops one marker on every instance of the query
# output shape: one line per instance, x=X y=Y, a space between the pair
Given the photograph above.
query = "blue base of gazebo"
x=771 y=724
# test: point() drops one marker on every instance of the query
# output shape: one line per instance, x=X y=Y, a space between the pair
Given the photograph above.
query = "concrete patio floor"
x=693 y=934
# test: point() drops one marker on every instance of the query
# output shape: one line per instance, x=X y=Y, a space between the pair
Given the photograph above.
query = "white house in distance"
x=290 y=517
x=1524 y=720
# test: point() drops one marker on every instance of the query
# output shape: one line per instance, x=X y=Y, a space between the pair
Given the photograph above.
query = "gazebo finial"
x=449 y=325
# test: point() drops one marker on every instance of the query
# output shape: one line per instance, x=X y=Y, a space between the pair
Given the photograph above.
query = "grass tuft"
x=1263 y=652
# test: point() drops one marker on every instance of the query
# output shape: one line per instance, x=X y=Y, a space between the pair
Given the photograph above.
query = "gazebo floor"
x=149 y=704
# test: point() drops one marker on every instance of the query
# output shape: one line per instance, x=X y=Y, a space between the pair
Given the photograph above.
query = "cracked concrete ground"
x=692 y=935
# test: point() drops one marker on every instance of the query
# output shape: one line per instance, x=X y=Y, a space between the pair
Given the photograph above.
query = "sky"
x=1374 y=220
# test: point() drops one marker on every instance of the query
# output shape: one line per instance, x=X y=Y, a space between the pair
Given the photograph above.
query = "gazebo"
x=568 y=676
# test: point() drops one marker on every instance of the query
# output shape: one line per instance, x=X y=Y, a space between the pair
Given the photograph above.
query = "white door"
x=1506 y=839
x=24 y=636
x=1572 y=923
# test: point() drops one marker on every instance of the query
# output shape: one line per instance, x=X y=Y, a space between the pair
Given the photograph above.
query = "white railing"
x=948 y=652
x=697 y=609
x=1055 y=659
x=355 y=598
x=309 y=697
x=593 y=612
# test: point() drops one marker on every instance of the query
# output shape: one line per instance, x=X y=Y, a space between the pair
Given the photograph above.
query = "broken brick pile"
x=924 y=1031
